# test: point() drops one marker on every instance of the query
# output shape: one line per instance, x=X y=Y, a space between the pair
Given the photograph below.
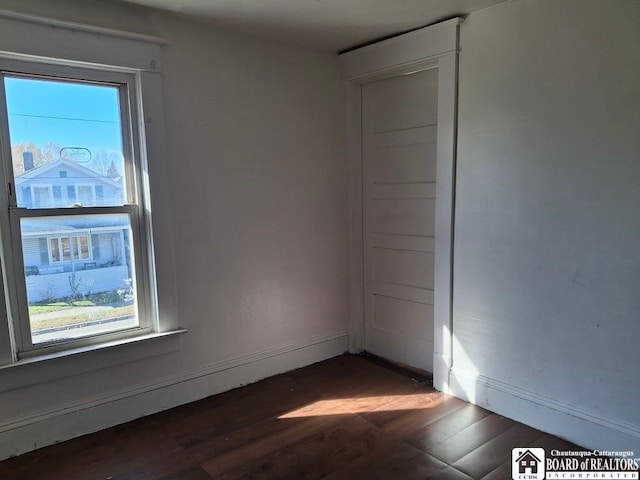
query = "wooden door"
x=399 y=131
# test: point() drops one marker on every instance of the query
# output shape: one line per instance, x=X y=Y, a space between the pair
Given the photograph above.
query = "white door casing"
x=430 y=47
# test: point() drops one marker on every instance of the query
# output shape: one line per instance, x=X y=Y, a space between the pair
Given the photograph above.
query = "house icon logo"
x=527 y=464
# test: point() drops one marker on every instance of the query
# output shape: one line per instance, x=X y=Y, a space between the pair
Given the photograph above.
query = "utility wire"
x=64 y=118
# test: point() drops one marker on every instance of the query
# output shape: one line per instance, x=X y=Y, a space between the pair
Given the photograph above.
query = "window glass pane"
x=88 y=286
x=85 y=195
x=67 y=136
x=76 y=250
x=55 y=250
x=26 y=196
x=66 y=249
x=84 y=247
x=41 y=196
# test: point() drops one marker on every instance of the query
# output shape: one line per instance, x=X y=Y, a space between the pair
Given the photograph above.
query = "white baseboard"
x=578 y=425
x=36 y=430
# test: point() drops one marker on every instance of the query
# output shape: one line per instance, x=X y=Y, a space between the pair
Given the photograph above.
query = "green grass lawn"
x=57 y=306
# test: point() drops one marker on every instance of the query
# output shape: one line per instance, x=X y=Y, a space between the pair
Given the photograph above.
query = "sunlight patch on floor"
x=385 y=403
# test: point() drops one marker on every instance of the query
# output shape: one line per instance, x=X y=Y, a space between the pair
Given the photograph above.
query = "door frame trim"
x=428 y=47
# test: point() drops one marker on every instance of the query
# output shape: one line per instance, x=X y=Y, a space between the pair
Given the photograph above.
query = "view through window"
x=68 y=150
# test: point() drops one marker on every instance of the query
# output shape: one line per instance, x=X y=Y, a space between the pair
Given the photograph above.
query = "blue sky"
x=68 y=114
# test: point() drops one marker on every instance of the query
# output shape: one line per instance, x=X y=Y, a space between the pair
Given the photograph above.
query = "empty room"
x=319 y=239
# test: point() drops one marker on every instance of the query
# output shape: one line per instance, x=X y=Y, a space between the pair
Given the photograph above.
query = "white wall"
x=255 y=137
x=547 y=228
x=260 y=191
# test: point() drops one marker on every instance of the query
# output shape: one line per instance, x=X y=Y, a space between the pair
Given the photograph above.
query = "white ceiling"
x=335 y=25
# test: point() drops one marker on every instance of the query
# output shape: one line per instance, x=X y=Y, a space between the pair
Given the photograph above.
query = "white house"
x=64 y=184
x=94 y=249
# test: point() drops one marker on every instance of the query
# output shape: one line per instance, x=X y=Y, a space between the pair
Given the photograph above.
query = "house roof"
x=527 y=454
x=70 y=224
x=41 y=172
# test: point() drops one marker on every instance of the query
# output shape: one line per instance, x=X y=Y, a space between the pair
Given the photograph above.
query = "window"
x=64 y=249
x=41 y=196
x=85 y=195
x=126 y=69
x=78 y=245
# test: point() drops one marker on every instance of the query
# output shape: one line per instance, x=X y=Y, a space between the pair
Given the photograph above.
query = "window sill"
x=53 y=366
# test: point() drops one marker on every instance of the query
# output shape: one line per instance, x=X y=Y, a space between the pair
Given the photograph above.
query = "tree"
x=112 y=171
x=104 y=162
x=50 y=153
x=41 y=155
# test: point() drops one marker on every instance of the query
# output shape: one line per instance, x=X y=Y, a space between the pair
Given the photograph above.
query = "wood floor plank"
x=412 y=422
x=217 y=445
x=193 y=473
x=428 y=435
x=402 y=462
x=348 y=377
x=501 y=473
x=231 y=460
x=171 y=467
x=403 y=402
x=318 y=455
x=549 y=442
x=103 y=454
x=236 y=409
x=450 y=473
x=467 y=440
x=496 y=451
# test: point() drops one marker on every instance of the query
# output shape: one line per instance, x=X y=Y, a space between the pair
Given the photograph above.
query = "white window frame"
x=134 y=191
x=70 y=44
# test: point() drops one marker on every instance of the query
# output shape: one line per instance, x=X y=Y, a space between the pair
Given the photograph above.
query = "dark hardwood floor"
x=345 y=418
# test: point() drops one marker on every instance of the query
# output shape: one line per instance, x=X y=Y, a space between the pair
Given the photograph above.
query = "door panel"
x=402 y=316
x=406 y=190
x=409 y=216
x=414 y=269
x=404 y=292
x=401 y=103
x=399 y=167
x=403 y=164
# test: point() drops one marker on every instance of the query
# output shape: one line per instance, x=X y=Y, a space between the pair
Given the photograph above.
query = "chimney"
x=27 y=159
